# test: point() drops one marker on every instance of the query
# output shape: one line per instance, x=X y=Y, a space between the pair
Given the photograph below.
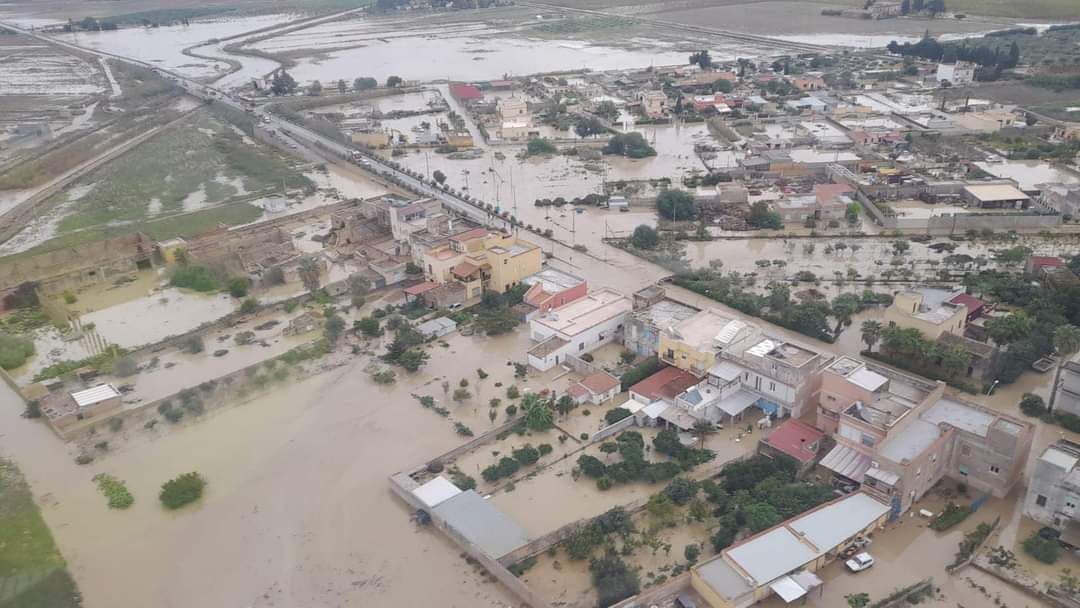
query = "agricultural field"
x=203 y=172
x=32 y=571
x=1026 y=9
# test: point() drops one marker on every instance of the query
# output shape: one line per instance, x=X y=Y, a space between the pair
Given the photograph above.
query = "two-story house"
x=1053 y=496
x=482 y=259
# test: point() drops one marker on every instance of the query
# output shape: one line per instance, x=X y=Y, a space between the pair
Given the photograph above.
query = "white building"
x=577 y=328
x=957 y=73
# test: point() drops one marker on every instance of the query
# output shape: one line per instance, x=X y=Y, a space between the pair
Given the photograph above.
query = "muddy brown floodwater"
x=297 y=512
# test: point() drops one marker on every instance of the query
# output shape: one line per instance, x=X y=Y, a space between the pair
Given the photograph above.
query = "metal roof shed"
x=480 y=523
x=95 y=395
x=436 y=491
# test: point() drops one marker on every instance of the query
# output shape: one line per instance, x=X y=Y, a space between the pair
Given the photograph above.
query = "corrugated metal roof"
x=728 y=332
x=831 y=525
x=482 y=524
x=737 y=403
x=846 y=461
x=97 y=394
x=772 y=554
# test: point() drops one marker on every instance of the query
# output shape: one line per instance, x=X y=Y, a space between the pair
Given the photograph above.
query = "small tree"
x=393 y=81
x=857 y=600
x=462 y=394
x=439 y=177
x=538 y=416
x=871 y=333
x=182 y=490
x=645 y=237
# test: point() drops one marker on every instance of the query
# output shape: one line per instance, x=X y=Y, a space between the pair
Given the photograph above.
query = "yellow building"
x=482 y=259
x=371 y=139
x=692 y=343
x=929 y=311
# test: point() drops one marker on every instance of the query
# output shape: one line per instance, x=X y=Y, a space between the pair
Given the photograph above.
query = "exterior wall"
x=683 y=356
x=562 y=298
x=508 y=270
x=370 y=139
x=1068 y=400
x=917 y=476
x=974 y=459
x=712 y=597
x=836 y=394
x=1048 y=485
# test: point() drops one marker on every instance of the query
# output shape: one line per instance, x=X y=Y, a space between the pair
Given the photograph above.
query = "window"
x=670 y=354
x=963 y=470
x=581 y=346
x=1040 y=500
x=994 y=469
x=772 y=386
x=868 y=440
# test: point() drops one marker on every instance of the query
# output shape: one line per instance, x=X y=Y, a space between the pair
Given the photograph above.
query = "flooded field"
x=163 y=46
x=1030 y=173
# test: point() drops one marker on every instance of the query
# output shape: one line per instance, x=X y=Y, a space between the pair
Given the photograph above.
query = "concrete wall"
x=613 y=429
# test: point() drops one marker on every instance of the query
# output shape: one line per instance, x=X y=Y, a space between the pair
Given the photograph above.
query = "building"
x=959 y=73
x=65 y=411
x=482 y=259
x=809 y=83
x=975 y=307
x=784 y=558
x=693 y=344
x=436 y=328
x=577 y=328
x=371 y=139
x=653 y=312
x=929 y=310
x=794 y=439
x=597 y=388
x=515 y=121
x=552 y=288
x=1068 y=391
x=1060 y=198
x=775 y=376
x=898 y=435
x=465 y=92
x=654 y=104
x=1053 y=495
x=665 y=385
x=995 y=197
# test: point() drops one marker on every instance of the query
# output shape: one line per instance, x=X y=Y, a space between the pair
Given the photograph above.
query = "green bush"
x=198 y=278
x=1046 y=551
x=238 y=287
x=951 y=515
x=115 y=491
x=14 y=351
x=614 y=415
x=183 y=490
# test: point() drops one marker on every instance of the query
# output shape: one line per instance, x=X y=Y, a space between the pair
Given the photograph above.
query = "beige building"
x=482 y=259
x=653 y=104
x=898 y=435
x=370 y=139
x=515 y=121
x=929 y=311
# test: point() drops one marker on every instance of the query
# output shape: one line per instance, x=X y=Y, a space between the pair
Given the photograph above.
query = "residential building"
x=597 y=388
x=1068 y=391
x=465 y=92
x=65 y=411
x=778 y=377
x=665 y=385
x=898 y=435
x=995 y=197
x=482 y=259
x=653 y=313
x=784 y=558
x=797 y=440
x=515 y=121
x=1053 y=495
x=693 y=344
x=958 y=73
x=436 y=328
x=552 y=288
x=1062 y=198
x=810 y=83
x=577 y=328
x=975 y=307
x=409 y=217
x=928 y=310
x=654 y=104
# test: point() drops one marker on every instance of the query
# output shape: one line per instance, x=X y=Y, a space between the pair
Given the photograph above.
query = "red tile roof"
x=1038 y=261
x=600 y=382
x=827 y=192
x=972 y=303
x=468 y=235
x=420 y=288
x=795 y=438
x=665 y=384
x=464 y=270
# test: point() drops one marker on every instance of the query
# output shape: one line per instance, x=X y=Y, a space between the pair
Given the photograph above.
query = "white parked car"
x=860 y=562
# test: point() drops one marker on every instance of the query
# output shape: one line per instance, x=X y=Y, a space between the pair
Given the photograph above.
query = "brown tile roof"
x=665 y=384
x=600 y=382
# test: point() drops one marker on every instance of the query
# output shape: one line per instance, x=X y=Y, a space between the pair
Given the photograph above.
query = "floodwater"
x=297 y=511
x=163 y=46
x=1029 y=174
x=158 y=314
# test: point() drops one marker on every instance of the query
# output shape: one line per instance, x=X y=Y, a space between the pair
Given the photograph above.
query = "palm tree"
x=871 y=333
x=1066 y=343
x=308 y=269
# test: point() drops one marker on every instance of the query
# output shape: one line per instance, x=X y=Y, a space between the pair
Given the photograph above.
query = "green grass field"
x=32 y=571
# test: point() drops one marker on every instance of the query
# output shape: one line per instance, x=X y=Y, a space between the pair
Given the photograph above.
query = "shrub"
x=238 y=287
x=182 y=490
x=526 y=455
x=115 y=491
x=125 y=366
x=244 y=337
x=248 y=306
x=512 y=392
x=14 y=351
x=461 y=394
x=614 y=415
x=386 y=376
x=545 y=449
x=1032 y=405
x=463 y=430
x=198 y=278
x=951 y=515
x=194 y=345
x=692 y=552
x=1044 y=550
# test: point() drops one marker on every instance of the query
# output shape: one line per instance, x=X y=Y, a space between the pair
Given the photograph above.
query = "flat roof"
x=772 y=554
x=910 y=441
x=553 y=280
x=436 y=491
x=838 y=521
x=586 y=312
x=97 y=394
x=999 y=192
x=700 y=329
x=1060 y=458
x=959 y=415
x=722 y=578
x=481 y=523
x=866 y=379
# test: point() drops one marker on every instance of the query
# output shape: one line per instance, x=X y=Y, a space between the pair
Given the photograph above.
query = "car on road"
x=860 y=562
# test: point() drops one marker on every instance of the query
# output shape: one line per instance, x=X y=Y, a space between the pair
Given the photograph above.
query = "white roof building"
x=95 y=395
